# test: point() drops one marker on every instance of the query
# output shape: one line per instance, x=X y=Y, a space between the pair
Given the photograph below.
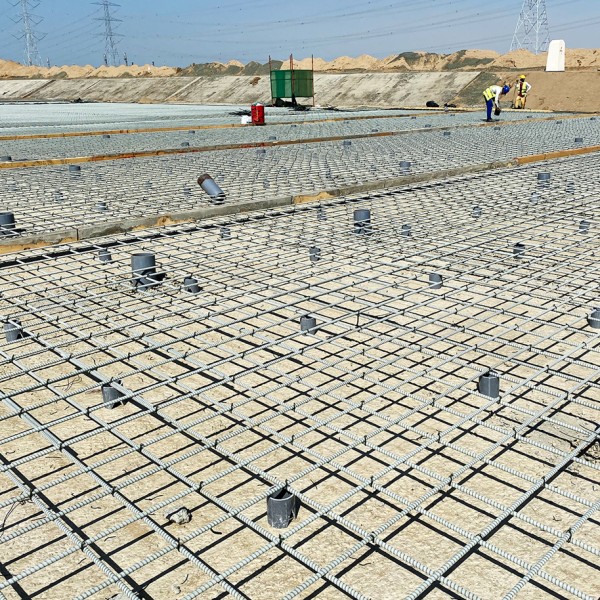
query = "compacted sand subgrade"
x=410 y=482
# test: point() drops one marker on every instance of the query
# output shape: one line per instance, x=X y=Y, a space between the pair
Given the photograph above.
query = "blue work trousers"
x=490 y=106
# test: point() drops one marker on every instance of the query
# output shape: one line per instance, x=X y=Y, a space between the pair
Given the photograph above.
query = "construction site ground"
x=478 y=256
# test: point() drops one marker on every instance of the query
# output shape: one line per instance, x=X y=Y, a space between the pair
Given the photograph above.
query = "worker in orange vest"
x=521 y=90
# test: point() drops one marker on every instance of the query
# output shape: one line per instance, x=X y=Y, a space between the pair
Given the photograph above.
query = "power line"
x=532 y=31
x=31 y=38
x=111 y=51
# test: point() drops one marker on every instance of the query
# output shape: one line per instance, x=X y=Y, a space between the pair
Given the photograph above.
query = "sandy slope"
x=569 y=91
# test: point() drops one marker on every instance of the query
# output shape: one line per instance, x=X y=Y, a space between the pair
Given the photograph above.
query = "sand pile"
x=306 y=63
x=463 y=60
x=576 y=58
x=133 y=71
x=14 y=70
x=583 y=59
x=520 y=59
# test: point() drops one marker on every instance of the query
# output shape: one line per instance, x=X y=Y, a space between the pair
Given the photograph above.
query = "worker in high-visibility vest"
x=521 y=90
x=492 y=98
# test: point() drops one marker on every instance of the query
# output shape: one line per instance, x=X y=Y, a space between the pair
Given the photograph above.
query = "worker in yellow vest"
x=521 y=90
x=492 y=98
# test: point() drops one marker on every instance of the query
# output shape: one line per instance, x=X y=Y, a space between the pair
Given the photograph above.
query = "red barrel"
x=258 y=114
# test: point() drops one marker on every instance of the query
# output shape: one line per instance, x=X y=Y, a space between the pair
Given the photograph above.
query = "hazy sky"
x=179 y=32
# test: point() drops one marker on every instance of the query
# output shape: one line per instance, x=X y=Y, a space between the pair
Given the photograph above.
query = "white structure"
x=556 y=56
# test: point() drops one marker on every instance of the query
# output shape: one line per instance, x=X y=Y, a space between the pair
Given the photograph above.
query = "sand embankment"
x=463 y=60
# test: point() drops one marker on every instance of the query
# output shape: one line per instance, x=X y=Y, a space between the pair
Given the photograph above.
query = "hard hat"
x=521 y=76
x=506 y=89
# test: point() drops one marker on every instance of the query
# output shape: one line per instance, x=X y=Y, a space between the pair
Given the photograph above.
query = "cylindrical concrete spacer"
x=102 y=206
x=594 y=319
x=497 y=128
x=111 y=396
x=579 y=140
x=192 y=131
x=75 y=170
x=7 y=223
x=308 y=323
x=143 y=263
x=210 y=187
x=543 y=178
x=272 y=138
x=447 y=133
x=261 y=152
x=405 y=166
x=185 y=144
x=314 y=253
x=534 y=198
x=5 y=158
x=405 y=230
x=428 y=125
x=362 y=221
x=104 y=255
x=106 y=136
x=346 y=143
x=190 y=284
x=225 y=233
x=518 y=249
x=570 y=187
x=13 y=329
x=435 y=281
x=584 y=226
x=489 y=384
x=143 y=266
x=58 y=196
x=282 y=509
x=476 y=212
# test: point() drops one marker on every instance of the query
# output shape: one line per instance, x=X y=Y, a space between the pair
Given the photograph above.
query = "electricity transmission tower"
x=29 y=22
x=532 y=32
x=111 y=51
